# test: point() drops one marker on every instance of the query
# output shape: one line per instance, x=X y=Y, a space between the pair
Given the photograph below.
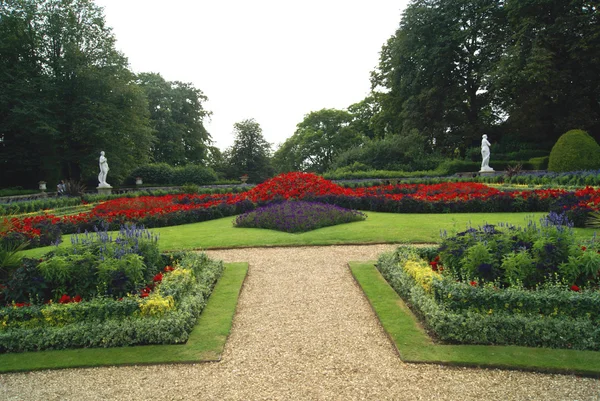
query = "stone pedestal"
x=104 y=190
x=487 y=171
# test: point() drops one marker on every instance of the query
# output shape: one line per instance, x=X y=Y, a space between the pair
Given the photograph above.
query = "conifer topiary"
x=575 y=150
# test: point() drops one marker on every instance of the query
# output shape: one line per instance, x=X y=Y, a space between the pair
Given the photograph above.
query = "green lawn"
x=207 y=340
x=377 y=228
x=205 y=344
x=414 y=345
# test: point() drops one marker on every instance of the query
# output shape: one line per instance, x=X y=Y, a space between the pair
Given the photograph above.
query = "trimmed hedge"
x=486 y=325
x=575 y=150
x=164 y=174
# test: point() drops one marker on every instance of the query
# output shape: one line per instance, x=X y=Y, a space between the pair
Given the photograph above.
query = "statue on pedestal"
x=485 y=154
x=103 y=171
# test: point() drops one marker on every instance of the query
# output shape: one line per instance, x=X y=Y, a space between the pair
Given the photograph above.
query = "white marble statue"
x=485 y=154
x=103 y=171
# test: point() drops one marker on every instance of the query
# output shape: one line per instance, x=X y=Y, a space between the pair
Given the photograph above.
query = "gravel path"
x=303 y=330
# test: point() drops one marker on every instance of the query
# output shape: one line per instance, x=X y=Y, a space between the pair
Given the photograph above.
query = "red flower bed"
x=173 y=209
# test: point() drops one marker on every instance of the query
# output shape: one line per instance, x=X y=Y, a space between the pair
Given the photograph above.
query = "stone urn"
x=42 y=185
x=244 y=178
x=138 y=181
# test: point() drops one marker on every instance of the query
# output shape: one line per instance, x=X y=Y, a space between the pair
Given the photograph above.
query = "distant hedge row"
x=164 y=174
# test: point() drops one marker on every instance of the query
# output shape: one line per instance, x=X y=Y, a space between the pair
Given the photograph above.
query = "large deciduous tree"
x=250 y=153
x=318 y=139
x=548 y=81
x=177 y=116
x=85 y=99
x=433 y=74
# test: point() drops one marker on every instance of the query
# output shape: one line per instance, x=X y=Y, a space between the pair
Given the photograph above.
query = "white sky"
x=274 y=61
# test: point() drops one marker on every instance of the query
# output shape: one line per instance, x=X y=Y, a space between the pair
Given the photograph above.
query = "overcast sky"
x=271 y=60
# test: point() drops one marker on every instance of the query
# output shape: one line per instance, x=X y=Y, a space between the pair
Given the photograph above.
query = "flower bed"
x=506 y=286
x=169 y=210
x=297 y=216
x=103 y=293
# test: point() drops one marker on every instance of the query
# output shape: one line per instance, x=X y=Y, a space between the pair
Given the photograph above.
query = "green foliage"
x=394 y=152
x=193 y=174
x=511 y=255
x=177 y=116
x=575 y=150
x=67 y=94
x=475 y=256
x=10 y=257
x=518 y=267
x=457 y=312
x=318 y=139
x=539 y=163
x=164 y=174
x=167 y=316
x=118 y=277
x=250 y=153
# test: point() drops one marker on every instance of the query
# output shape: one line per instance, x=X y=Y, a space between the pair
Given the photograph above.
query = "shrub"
x=157 y=174
x=192 y=174
x=575 y=150
x=530 y=256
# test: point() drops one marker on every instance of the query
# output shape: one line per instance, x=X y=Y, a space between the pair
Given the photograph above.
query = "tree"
x=433 y=74
x=177 y=116
x=548 y=81
x=318 y=139
x=85 y=97
x=250 y=153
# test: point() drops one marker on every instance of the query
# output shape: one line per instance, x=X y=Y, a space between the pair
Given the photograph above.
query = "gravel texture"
x=303 y=330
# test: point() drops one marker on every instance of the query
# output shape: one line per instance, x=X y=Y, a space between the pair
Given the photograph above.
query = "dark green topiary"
x=575 y=150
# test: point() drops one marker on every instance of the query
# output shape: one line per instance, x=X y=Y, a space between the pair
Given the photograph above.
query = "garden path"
x=303 y=330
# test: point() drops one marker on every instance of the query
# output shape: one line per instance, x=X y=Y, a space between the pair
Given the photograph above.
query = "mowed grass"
x=377 y=228
x=414 y=345
x=205 y=344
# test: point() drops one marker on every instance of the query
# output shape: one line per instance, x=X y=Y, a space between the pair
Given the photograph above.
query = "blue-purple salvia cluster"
x=297 y=216
x=126 y=242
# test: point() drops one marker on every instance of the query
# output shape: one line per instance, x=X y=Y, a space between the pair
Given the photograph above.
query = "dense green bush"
x=539 y=163
x=575 y=150
x=563 y=325
x=164 y=174
x=529 y=256
x=192 y=174
x=404 y=153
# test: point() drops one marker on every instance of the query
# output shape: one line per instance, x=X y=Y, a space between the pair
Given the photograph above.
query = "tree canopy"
x=66 y=94
x=527 y=70
x=177 y=116
x=250 y=153
x=318 y=139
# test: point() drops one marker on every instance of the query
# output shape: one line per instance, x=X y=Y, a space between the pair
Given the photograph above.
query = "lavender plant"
x=297 y=216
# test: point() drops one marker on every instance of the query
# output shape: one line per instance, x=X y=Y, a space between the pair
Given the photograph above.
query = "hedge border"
x=415 y=346
x=205 y=344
